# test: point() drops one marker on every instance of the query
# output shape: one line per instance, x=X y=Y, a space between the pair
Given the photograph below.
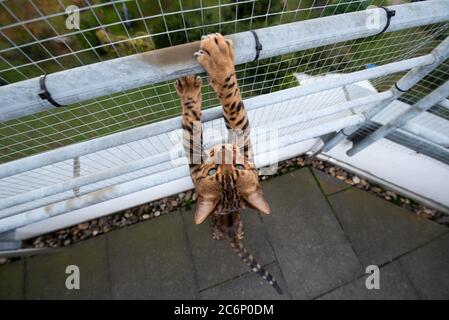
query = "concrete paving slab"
x=428 y=269
x=379 y=230
x=249 y=286
x=11 y=280
x=46 y=274
x=394 y=285
x=310 y=246
x=328 y=183
x=172 y=258
x=151 y=260
x=214 y=260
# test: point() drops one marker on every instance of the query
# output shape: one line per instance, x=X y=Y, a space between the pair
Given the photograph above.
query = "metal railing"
x=38 y=187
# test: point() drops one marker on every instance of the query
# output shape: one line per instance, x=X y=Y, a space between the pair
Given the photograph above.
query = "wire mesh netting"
x=34 y=40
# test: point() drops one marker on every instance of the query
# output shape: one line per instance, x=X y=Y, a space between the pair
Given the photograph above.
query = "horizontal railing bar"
x=116 y=139
x=160 y=158
x=79 y=182
x=142 y=183
x=112 y=76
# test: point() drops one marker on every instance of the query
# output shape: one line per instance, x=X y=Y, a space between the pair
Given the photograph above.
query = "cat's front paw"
x=188 y=87
x=216 y=56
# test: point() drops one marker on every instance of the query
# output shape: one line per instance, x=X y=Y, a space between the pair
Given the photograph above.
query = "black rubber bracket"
x=390 y=13
x=399 y=89
x=258 y=45
x=343 y=132
x=44 y=94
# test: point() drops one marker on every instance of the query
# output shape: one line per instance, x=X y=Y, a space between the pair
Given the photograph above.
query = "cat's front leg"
x=216 y=56
x=189 y=91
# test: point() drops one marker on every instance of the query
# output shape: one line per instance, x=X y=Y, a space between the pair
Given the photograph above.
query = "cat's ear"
x=258 y=202
x=203 y=209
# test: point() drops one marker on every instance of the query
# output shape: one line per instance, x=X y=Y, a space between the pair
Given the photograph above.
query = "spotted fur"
x=225 y=176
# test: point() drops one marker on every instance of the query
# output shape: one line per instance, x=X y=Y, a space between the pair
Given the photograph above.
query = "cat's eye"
x=211 y=172
x=239 y=166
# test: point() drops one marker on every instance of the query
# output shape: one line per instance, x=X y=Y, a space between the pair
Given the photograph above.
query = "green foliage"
x=345 y=6
x=122 y=45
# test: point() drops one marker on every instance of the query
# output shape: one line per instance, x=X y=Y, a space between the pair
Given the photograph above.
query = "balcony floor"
x=318 y=241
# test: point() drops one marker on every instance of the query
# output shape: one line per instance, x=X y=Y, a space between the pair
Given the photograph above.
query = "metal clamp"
x=44 y=94
x=399 y=89
x=259 y=46
x=390 y=13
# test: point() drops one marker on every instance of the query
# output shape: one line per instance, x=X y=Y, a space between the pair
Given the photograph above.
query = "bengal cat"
x=225 y=177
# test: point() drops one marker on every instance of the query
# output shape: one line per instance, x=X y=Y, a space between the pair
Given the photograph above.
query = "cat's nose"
x=226 y=169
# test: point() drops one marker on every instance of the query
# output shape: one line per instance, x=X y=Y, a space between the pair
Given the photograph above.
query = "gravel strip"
x=93 y=228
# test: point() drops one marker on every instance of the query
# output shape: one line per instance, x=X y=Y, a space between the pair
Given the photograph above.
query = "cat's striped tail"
x=254 y=266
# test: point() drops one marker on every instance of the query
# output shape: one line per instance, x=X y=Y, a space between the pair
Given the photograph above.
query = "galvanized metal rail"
x=112 y=76
x=80 y=149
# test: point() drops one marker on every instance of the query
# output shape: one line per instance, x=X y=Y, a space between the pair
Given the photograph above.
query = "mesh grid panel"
x=34 y=40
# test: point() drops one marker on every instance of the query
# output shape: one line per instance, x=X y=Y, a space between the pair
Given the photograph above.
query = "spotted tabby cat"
x=225 y=177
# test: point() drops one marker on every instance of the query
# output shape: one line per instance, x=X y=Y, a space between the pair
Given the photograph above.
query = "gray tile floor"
x=317 y=242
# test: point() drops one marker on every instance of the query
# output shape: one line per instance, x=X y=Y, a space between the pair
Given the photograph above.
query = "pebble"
x=83 y=226
x=392 y=194
x=146 y=216
x=157 y=213
x=376 y=189
x=356 y=180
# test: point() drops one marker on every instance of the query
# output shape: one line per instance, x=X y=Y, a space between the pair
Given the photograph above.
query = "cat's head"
x=226 y=183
